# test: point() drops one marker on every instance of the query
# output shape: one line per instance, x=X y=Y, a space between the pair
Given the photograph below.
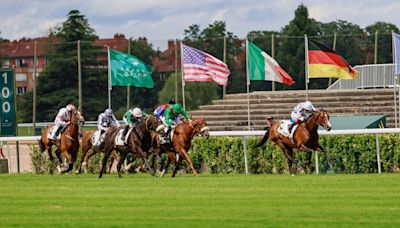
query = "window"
x=20 y=77
x=21 y=90
x=21 y=62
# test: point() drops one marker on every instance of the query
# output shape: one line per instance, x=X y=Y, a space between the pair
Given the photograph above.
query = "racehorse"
x=182 y=141
x=139 y=141
x=305 y=137
x=88 y=150
x=68 y=145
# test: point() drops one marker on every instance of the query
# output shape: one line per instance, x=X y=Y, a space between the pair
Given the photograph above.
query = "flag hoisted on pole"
x=128 y=70
x=199 y=66
x=264 y=67
x=109 y=78
x=324 y=62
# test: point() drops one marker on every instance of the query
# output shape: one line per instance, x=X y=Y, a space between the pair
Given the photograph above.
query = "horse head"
x=322 y=118
x=200 y=127
x=77 y=117
x=152 y=123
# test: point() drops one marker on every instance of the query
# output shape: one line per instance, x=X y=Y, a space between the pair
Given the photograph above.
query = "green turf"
x=206 y=201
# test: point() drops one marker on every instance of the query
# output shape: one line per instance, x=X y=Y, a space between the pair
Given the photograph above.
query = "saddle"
x=118 y=137
x=51 y=131
x=284 y=128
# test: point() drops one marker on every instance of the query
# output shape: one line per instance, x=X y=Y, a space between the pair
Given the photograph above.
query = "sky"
x=160 y=20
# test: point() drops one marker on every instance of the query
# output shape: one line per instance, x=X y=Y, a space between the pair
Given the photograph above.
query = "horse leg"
x=187 y=159
x=111 y=161
x=308 y=163
x=327 y=155
x=120 y=161
x=144 y=157
x=177 y=166
x=60 y=161
x=81 y=160
x=104 y=162
x=89 y=153
x=68 y=158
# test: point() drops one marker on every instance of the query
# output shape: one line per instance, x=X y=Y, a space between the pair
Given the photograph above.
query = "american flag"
x=199 y=66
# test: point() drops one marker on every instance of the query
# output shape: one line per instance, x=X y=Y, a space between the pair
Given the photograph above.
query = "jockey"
x=62 y=120
x=106 y=120
x=170 y=119
x=131 y=118
x=300 y=113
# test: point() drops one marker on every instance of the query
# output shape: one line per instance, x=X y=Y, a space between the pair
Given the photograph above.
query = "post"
x=248 y=84
x=376 y=48
x=9 y=157
x=306 y=81
x=378 y=156
x=15 y=118
x=34 y=88
x=176 y=70
x=128 y=88
x=183 y=79
x=109 y=78
x=334 y=48
x=396 y=80
x=246 y=169
x=316 y=162
x=224 y=59
x=79 y=75
x=273 y=55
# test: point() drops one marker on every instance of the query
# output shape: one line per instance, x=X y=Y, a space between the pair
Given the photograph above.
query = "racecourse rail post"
x=316 y=162
x=378 y=156
x=245 y=154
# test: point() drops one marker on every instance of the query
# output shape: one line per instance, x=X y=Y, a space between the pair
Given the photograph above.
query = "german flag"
x=324 y=62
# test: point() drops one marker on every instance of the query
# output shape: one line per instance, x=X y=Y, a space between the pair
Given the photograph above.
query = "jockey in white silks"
x=106 y=120
x=62 y=120
x=300 y=113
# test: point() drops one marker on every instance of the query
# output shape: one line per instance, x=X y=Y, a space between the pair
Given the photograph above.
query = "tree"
x=291 y=53
x=58 y=84
x=384 y=30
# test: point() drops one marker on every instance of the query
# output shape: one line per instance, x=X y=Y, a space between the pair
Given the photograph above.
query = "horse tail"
x=264 y=139
x=41 y=145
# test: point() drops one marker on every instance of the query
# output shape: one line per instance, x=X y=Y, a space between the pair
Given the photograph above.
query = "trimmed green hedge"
x=349 y=154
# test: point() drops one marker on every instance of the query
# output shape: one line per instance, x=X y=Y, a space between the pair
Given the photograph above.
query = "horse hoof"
x=83 y=163
x=77 y=172
x=292 y=175
x=59 y=170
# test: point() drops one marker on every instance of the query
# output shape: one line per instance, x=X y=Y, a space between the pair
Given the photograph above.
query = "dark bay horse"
x=305 y=138
x=68 y=145
x=182 y=141
x=139 y=142
x=88 y=150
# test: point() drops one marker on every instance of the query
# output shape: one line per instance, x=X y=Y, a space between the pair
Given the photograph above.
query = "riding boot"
x=125 y=132
x=57 y=132
x=290 y=127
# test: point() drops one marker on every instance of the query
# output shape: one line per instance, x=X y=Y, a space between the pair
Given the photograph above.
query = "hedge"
x=349 y=154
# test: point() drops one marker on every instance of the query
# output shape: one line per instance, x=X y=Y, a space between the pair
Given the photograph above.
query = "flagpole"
x=248 y=83
x=128 y=88
x=183 y=80
x=306 y=64
x=109 y=78
x=394 y=80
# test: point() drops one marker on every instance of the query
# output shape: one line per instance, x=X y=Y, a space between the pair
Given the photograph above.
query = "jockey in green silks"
x=170 y=119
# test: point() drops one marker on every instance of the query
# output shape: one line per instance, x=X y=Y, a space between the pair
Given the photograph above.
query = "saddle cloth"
x=96 y=141
x=118 y=137
x=284 y=128
x=50 y=133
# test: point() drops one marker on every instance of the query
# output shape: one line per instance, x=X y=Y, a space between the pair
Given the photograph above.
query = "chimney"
x=171 y=44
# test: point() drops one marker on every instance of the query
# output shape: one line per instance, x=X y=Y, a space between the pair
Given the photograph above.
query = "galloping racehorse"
x=88 y=150
x=182 y=141
x=139 y=142
x=67 y=145
x=305 y=138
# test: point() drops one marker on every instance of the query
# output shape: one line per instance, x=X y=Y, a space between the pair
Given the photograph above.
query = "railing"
x=370 y=76
x=245 y=134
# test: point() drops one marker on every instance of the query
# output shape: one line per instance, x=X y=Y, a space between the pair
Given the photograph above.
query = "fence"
x=370 y=76
x=244 y=135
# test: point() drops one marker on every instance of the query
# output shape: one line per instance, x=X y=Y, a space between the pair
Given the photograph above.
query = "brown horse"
x=182 y=141
x=305 y=138
x=139 y=142
x=88 y=150
x=68 y=145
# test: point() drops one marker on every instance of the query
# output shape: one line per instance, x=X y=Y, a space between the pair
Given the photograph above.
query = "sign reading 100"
x=7 y=117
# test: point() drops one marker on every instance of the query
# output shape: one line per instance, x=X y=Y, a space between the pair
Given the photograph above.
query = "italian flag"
x=261 y=66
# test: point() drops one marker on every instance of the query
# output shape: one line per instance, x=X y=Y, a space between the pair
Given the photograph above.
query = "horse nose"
x=329 y=128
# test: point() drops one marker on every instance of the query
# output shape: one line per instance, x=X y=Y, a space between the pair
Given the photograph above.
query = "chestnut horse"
x=305 y=138
x=68 y=145
x=139 y=142
x=181 y=142
x=88 y=150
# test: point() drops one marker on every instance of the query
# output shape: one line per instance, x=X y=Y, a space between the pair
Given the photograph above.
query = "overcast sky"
x=160 y=20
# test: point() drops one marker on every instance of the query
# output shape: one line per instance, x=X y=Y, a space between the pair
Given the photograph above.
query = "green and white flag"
x=264 y=67
x=128 y=70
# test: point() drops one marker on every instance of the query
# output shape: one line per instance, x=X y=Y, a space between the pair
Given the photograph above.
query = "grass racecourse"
x=361 y=200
